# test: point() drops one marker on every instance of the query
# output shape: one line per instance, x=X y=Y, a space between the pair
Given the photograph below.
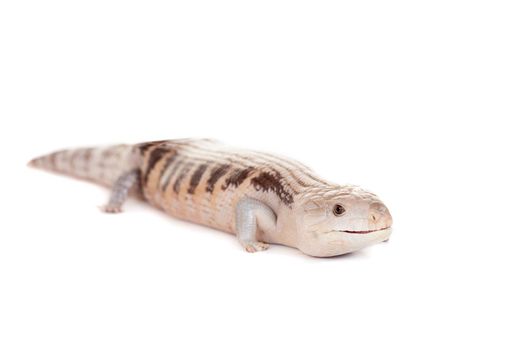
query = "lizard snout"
x=379 y=217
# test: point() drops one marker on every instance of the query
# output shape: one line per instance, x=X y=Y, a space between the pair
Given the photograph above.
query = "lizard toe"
x=252 y=247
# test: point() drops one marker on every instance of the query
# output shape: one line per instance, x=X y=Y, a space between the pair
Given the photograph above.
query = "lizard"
x=259 y=197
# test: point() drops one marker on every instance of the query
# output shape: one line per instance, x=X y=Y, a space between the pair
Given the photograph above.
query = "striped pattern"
x=201 y=180
x=101 y=165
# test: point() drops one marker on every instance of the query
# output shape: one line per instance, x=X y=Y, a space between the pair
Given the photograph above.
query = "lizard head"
x=341 y=219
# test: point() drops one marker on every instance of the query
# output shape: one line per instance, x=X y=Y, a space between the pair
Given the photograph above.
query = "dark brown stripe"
x=154 y=157
x=196 y=178
x=172 y=172
x=237 y=177
x=266 y=181
x=271 y=163
x=184 y=171
x=143 y=147
x=215 y=175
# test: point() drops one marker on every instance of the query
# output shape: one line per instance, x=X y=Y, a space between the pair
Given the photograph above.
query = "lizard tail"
x=101 y=165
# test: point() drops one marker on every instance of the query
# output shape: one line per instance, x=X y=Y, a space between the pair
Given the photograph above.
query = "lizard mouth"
x=365 y=231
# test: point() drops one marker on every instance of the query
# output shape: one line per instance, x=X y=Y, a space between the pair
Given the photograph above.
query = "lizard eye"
x=338 y=210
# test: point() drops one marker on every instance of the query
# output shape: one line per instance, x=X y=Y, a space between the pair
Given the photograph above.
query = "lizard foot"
x=252 y=247
x=111 y=209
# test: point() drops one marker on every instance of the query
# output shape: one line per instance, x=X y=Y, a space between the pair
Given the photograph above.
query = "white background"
x=419 y=101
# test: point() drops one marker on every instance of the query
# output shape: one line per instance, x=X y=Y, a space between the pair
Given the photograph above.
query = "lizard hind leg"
x=251 y=214
x=120 y=191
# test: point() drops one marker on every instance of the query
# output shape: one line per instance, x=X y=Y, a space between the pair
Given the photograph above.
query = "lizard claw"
x=252 y=247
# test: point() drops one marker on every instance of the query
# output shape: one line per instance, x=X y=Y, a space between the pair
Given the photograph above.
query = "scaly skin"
x=262 y=198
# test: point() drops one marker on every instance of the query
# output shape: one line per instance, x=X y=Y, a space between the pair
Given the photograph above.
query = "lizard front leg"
x=251 y=214
x=120 y=190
